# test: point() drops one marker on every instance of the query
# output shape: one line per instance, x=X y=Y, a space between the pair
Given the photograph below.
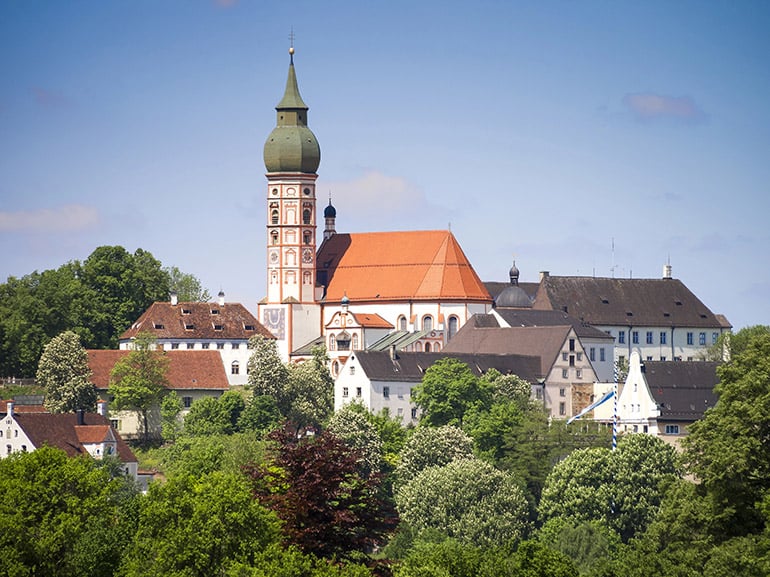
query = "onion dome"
x=330 y=211
x=291 y=146
x=513 y=296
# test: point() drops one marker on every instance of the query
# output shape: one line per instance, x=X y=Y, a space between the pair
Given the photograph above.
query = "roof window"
x=186 y=311
x=629 y=314
x=605 y=301
x=189 y=326
x=248 y=327
x=158 y=326
x=218 y=327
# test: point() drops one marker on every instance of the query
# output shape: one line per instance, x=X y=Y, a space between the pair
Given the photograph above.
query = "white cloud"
x=374 y=194
x=70 y=218
x=650 y=106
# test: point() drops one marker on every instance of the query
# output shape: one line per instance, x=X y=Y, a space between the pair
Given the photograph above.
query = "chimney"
x=9 y=408
x=393 y=355
x=101 y=407
x=544 y=274
x=221 y=296
x=81 y=417
x=174 y=298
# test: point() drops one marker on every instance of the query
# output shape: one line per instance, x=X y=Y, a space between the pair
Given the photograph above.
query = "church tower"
x=292 y=156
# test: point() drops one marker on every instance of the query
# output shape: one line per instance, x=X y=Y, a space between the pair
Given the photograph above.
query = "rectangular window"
x=572 y=360
x=236 y=345
x=649 y=357
x=187 y=402
x=205 y=346
x=115 y=424
x=345 y=391
x=714 y=338
x=562 y=392
x=662 y=358
x=562 y=409
x=400 y=411
x=635 y=337
x=564 y=373
x=190 y=346
x=702 y=339
x=352 y=370
x=220 y=346
x=579 y=373
x=572 y=344
x=622 y=337
x=564 y=356
x=649 y=338
x=690 y=340
x=662 y=337
x=579 y=356
x=358 y=391
x=414 y=413
x=386 y=392
x=672 y=429
x=601 y=355
x=174 y=346
x=592 y=354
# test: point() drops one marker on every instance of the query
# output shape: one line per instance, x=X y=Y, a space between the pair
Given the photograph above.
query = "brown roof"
x=683 y=390
x=372 y=321
x=186 y=369
x=90 y=434
x=197 y=321
x=61 y=431
x=543 y=342
x=21 y=408
x=538 y=318
x=628 y=302
x=410 y=367
x=398 y=266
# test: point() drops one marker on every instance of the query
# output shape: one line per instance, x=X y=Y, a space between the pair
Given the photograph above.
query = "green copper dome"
x=291 y=146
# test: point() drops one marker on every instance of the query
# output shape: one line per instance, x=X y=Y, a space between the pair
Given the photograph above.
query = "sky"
x=593 y=138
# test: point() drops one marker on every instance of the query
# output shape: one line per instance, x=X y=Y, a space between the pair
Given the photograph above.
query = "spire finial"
x=291 y=45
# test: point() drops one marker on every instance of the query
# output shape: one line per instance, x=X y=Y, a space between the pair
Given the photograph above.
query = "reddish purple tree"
x=315 y=486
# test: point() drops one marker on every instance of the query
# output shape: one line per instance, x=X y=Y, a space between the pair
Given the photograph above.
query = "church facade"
x=354 y=289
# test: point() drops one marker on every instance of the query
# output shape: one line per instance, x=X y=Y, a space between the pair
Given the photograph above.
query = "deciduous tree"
x=64 y=372
x=432 y=446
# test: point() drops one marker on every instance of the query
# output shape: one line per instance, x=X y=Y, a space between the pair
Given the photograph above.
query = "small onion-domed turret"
x=513 y=296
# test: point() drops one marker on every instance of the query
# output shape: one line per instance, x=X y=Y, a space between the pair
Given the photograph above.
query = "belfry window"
x=274 y=216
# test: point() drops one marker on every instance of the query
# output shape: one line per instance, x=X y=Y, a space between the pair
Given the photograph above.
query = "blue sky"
x=546 y=130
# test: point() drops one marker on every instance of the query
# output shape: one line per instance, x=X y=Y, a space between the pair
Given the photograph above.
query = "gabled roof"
x=19 y=407
x=539 y=318
x=61 y=430
x=411 y=367
x=186 y=369
x=398 y=266
x=625 y=302
x=372 y=321
x=191 y=321
x=543 y=342
x=683 y=390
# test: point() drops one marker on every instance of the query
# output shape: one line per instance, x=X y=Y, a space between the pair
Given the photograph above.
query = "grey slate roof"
x=682 y=390
x=540 y=318
x=411 y=367
x=496 y=287
x=625 y=302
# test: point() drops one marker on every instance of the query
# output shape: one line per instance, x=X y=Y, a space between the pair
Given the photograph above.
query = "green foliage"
x=447 y=391
x=61 y=516
x=197 y=526
x=215 y=416
x=588 y=544
x=64 y=372
x=430 y=447
x=188 y=288
x=260 y=414
x=293 y=563
x=170 y=422
x=729 y=449
x=466 y=499
x=138 y=380
x=359 y=434
x=621 y=488
x=315 y=486
x=268 y=375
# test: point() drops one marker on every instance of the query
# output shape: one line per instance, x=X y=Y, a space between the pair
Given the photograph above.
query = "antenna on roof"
x=612 y=268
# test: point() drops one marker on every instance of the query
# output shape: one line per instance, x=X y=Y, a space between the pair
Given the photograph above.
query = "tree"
x=310 y=391
x=467 y=499
x=215 y=416
x=260 y=414
x=729 y=449
x=315 y=486
x=621 y=488
x=447 y=391
x=268 y=374
x=197 y=526
x=138 y=380
x=64 y=372
x=170 y=409
x=359 y=434
x=54 y=509
x=432 y=446
x=188 y=288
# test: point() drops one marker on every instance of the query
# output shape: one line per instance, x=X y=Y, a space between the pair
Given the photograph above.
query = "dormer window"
x=218 y=327
x=158 y=326
x=189 y=326
x=249 y=327
x=214 y=311
x=186 y=311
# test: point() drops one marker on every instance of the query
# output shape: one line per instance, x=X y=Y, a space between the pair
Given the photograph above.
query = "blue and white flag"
x=606 y=397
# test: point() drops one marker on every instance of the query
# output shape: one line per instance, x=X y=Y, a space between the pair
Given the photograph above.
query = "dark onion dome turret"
x=513 y=296
x=330 y=211
x=291 y=146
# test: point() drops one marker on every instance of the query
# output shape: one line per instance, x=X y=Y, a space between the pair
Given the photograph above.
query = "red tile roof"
x=19 y=408
x=186 y=369
x=91 y=434
x=61 y=431
x=372 y=321
x=398 y=266
x=197 y=321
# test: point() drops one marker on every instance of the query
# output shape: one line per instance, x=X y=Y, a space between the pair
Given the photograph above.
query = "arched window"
x=306 y=216
x=453 y=324
x=274 y=216
x=427 y=347
x=332 y=343
x=274 y=236
x=427 y=323
x=402 y=323
x=306 y=237
x=355 y=341
x=235 y=368
x=336 y=369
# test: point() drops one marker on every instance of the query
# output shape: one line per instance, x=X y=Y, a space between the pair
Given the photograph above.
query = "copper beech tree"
x=315 y=486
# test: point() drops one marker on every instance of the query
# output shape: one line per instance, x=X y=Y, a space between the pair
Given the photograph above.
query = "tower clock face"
x=307 y=256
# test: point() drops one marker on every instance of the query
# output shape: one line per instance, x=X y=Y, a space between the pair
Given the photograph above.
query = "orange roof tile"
x=398 y=266
x=186 y=369
x=372 y=321
x=90 y=434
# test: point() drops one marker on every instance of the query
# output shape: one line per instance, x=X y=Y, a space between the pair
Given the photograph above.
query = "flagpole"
x=615 y=410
